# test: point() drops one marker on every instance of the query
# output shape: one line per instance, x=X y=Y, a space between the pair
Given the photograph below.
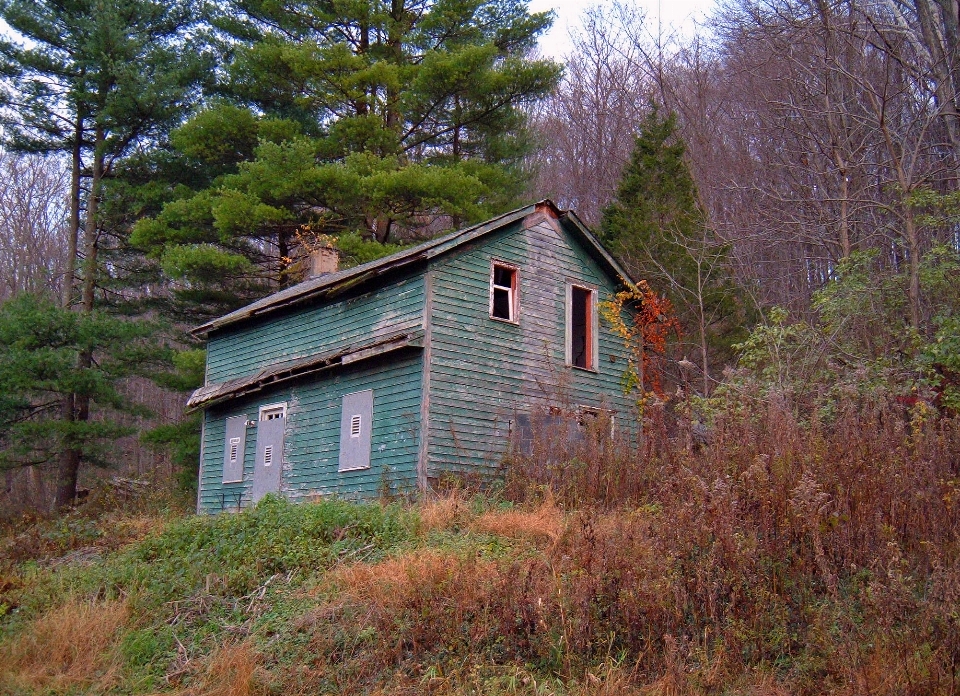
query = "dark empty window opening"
x=598 y=421
x=581 y=327
x=503 y=292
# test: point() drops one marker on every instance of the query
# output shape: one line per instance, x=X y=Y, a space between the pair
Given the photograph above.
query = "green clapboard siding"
x=314 y=329
x=312 y=436
x=483 y=372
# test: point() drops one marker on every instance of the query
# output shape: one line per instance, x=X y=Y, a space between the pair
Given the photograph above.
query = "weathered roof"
x=210 y=394
x=335 y=283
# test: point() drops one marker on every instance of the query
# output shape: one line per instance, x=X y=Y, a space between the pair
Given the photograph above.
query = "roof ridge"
x=332 y=281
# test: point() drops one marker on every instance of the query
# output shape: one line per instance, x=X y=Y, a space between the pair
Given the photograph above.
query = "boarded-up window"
x=356 y=421
x=234 y=437
x=504 y=296
x=581 y=348
x=601 y=422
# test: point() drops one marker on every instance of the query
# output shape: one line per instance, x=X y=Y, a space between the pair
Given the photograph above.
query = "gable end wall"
x=484 y=372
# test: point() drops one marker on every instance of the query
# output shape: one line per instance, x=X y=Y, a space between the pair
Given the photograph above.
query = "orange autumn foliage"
x=645 y=321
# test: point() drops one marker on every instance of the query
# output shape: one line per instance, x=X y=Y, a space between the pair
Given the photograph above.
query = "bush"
x=827 y=556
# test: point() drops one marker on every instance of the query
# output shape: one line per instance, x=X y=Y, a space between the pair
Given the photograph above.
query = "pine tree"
x=95 y=79
x=40 y=347
x=659 y=230
x=364 y=118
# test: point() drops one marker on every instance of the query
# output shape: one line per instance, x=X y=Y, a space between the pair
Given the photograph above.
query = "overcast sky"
x=676 y=14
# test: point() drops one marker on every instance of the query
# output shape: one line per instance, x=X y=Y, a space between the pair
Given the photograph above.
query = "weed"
x=71 y=646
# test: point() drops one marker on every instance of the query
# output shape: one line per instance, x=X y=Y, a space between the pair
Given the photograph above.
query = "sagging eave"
x=334 y=284
x=212 y=394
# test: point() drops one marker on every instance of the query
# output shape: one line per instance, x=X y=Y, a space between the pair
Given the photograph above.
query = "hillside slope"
x=782 y=559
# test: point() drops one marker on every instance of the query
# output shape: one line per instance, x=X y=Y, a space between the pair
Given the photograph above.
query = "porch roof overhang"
x=212 y=394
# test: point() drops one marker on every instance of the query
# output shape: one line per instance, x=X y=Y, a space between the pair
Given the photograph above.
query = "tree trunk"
x=703 y=335
x=73 y=232
x=363 y=106
x=76 y=407
x=90 y=236
x=283 y=257
x=69 y=464
x=395 y=44
x=940 y=36
x=69 y=461
x=913 y=249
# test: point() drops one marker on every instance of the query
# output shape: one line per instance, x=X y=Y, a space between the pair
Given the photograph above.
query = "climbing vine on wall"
x=645 y=321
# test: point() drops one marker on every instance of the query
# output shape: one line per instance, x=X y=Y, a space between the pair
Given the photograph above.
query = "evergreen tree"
x=40 y=346
x=387 y=120
x=97 y=79
x=657 y=227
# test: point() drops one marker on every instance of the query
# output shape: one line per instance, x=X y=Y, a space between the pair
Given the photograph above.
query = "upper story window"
x=273 y=412
x=581 y=339
x=504 y=295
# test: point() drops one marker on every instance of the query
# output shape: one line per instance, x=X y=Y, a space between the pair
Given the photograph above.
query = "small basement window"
x=597 y=419
x=273 y=412
x=503 y=291
x=581 y=327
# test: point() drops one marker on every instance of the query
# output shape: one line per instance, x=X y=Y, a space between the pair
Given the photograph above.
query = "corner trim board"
x=423 y=455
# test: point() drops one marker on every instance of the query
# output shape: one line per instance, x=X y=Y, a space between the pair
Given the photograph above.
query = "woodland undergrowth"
x=767 y=555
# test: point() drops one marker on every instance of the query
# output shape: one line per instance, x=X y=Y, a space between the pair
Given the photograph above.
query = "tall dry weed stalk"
x=783 y=557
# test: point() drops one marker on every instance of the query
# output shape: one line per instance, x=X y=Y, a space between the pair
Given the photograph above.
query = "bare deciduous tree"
x=34 y=208
x=587 y=127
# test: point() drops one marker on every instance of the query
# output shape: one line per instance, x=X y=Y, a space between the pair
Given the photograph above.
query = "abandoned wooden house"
x=385 y=375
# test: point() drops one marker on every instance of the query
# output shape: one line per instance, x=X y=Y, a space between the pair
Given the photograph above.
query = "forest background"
x=785 y=176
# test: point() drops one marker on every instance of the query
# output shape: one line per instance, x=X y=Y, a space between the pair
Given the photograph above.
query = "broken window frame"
x=590 y=324
x=587 y=412
x=513 y=291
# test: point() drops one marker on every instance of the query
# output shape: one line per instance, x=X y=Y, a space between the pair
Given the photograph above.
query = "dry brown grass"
x=69 y=647
x=444 y=511
x=232 y=670
x=830 y=549
x=52 y=541
x=397 y=582
x=545 y=521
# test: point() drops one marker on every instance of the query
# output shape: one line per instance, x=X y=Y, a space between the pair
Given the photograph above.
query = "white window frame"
x=513 y=293
x=268 y=409
x=593 y=325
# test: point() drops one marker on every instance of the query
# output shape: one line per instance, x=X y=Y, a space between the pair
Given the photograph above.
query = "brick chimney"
x=323 y=261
